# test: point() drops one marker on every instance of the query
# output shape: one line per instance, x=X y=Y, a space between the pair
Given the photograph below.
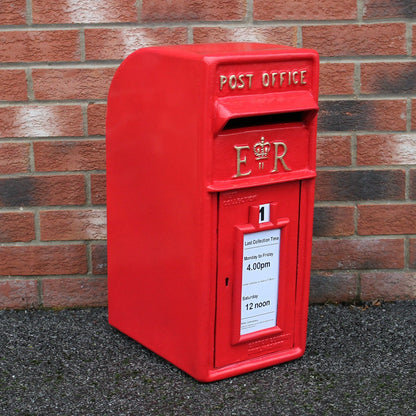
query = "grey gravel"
x=359 y=361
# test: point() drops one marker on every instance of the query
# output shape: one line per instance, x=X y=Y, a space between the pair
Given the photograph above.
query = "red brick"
x=12 y=12
x=356 y=115
x=40 y=45
x=386 y=219
x=72 y=84
x=388 y=77
x=382 y=9
x=344 y=254
x=386 y=149
x=336 y=79
x=42 y=190
x=413 y=114
x=412 y=184
x=333 y=151
x=42 y=260
x=412 y=253
x=64 y=156
x=41 y=121
x=19 y=294
x=281 y=35
x=197 y=10
x=96 y=119
x=98 y=189
x=356 y=185
x=117 y=43
x=74 y=292
x=414 y=40
x=17 y=226
x=333 y=221
x=299 y=10
x=77 y=224
x=99 y=258
x=83 y=11
x=13 y=86
x=333 y=287
x=353 y=40
x=388 y=286
x=14 y=158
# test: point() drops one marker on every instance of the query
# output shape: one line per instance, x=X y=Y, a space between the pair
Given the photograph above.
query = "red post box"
x=210 y=181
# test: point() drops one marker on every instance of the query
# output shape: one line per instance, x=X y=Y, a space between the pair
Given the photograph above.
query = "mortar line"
x=87 y=177
x=139 y=6
x=409 y=115
x=299 y=34
x=364 y=167
x=29 y=85
x=40 y=290
x=108 y=63
x=52 y=243
x=360 y=11
x=32 y=167
x=407 y=186
x=409 y=38
x=354 y=150
x=82 y=43
x=366 y=238
x=89 y=257
x=190 y=34
x=29 y=17
x=355 y=217
x=185 y=23
x=50 y=173
x=84 y=109
x=357 y=78
x=36 y=212
x=249 y=12
x=406 y=254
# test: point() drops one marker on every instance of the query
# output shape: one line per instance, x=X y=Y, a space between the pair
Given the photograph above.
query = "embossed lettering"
x=241 y=161
x=265 y=79
x=249 y=76
x=242 y=83
x=294 y=74
x=282 y=77
x=260 y=151
x=280 y=157
x=234 y=81
x=223 y=80
x=302 y=77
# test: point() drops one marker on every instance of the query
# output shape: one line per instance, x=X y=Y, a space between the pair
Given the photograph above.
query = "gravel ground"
x=359 y=361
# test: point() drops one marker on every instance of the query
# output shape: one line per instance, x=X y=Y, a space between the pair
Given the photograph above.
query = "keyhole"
x=226 y=281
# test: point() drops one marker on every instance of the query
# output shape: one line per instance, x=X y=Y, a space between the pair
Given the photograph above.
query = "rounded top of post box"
x=227 y=50
x=230 y=48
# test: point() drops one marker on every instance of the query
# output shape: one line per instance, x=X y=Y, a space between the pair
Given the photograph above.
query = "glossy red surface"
x=198 y=138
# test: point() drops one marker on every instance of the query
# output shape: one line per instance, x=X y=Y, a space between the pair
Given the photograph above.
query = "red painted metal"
x=199 y=138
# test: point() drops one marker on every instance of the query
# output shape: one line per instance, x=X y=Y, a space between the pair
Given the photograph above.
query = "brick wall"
x=56 y=62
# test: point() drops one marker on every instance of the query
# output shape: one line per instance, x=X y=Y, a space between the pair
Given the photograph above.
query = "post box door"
x=257 y=269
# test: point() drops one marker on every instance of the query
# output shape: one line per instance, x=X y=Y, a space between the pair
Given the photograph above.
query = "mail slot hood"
x=228 y=108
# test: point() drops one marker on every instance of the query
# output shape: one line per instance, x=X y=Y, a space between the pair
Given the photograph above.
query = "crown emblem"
x=261 y=149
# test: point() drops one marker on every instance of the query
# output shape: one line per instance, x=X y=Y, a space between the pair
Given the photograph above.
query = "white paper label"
x=260 y=280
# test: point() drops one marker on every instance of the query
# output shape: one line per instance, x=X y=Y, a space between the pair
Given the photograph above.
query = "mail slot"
x=210 y=182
